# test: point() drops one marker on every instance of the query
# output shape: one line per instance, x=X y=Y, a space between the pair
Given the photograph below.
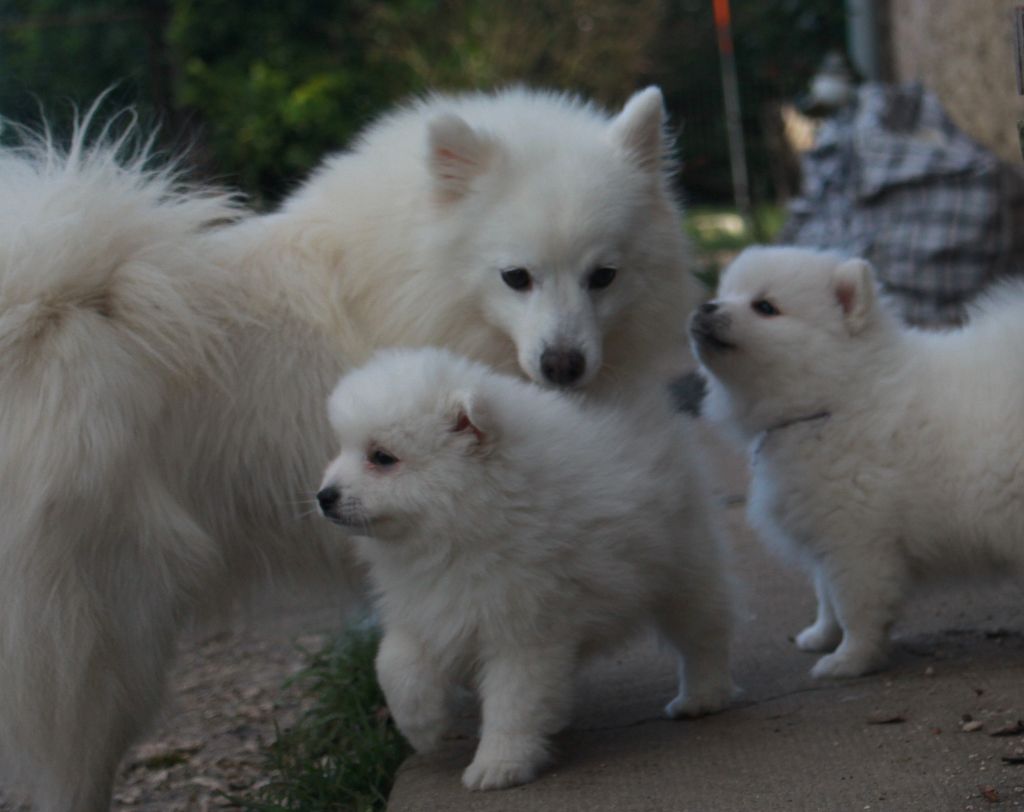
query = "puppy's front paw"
x=484 y=775
x=709 y=699
x=819 y=637
x=423 y=739
x=422 y=725
x=850 y=663
x=504 y=761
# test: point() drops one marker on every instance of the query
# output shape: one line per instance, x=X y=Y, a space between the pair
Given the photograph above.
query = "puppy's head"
x=786 y=326
x=557 y=219
x=413 y=427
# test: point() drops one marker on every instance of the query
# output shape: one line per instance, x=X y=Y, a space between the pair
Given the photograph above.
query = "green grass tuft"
x=343 y=753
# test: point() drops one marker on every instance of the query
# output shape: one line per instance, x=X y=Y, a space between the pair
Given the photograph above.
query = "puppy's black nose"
x=328 y=499
x=562 y=367
x=708 y=308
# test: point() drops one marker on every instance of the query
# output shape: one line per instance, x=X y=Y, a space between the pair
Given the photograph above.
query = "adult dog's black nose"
x=562 y=367
x=328 y=499
x=708 y=308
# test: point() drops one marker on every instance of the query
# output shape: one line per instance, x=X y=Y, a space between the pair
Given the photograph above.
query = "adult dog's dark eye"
x=765 y=308
x=601 y=277
x=381 y=458
x=517 y=278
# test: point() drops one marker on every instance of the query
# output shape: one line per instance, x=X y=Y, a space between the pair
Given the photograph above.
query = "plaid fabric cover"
x=893 y=180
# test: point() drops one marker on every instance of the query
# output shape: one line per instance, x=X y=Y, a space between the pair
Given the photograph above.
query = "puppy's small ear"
x=456 y=155
x=854 y=285
x=470 y=416
x=640 y=128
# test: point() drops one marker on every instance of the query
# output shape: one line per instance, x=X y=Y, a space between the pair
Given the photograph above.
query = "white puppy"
x=510 y=530
x=882 y=456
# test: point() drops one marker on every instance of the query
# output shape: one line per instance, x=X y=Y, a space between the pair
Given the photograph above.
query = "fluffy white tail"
x=100 y=272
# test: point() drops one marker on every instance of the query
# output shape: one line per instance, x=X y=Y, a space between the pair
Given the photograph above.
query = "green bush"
x=263 y=89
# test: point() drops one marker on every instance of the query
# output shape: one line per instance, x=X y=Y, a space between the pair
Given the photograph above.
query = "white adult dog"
x=510 y=530
x=882 y=456
x=164 y=361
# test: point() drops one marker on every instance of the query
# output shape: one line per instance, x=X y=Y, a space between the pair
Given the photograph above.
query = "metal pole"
x=862 y=38
x=733 y=116
x=1018 y=38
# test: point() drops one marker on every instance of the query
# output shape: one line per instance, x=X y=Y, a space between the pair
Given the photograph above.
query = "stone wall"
x=964 y=51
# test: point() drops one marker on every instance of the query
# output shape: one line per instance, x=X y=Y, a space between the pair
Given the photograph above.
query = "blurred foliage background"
x=261 y=89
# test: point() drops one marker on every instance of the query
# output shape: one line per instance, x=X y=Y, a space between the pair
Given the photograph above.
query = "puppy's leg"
x=824 y=634
x=698 y=624
x=415 y=687
x=866 y=588
x=526 y=696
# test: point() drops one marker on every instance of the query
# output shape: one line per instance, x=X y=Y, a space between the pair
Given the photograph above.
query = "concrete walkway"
x=789 y=743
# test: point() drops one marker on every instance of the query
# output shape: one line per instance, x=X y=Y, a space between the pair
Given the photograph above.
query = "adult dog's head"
x=560 y=222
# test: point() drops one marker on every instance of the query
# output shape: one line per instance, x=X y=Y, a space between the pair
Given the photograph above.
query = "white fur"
x=465 y=187
x=882 y=456
x=520 y=530
x=158 y=433
x=164 y=359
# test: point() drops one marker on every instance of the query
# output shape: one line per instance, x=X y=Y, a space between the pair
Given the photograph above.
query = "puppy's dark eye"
x=601 y=277
x=380 y=458
x=517 y=278
x=765 y=308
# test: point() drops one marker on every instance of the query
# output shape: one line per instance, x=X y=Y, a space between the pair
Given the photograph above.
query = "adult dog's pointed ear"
x=853 y=282
x=456 y=155
x=470 y=416
x=640 y=128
